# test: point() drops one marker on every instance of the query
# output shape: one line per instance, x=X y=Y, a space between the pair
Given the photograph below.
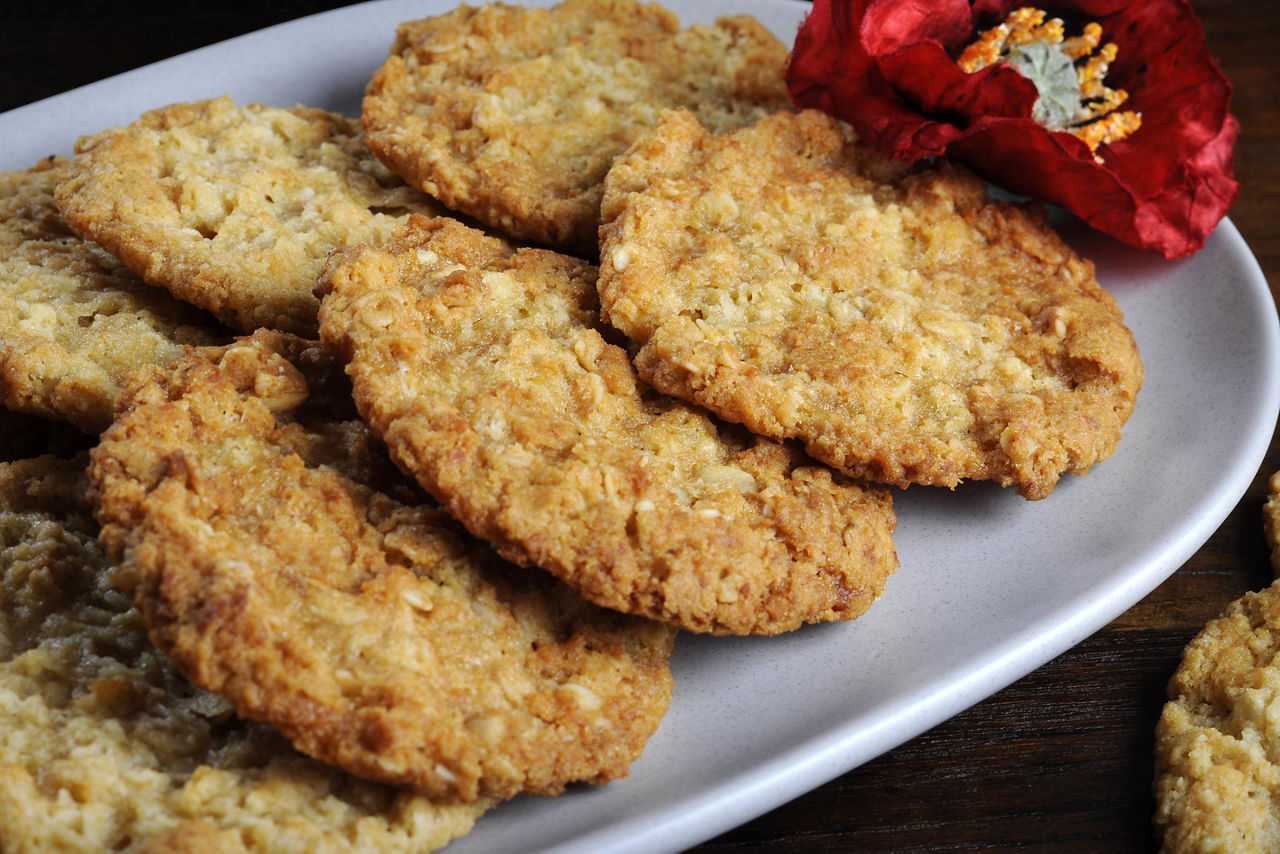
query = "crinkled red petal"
x=886 y=67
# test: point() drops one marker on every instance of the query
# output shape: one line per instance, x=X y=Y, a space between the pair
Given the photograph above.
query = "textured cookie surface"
x=1218 y=740
x=902 y=326
x=485 y=371
x=234 y=208
x=376 y=635
x=76 y=322
x=513 y=115
x=105 y=747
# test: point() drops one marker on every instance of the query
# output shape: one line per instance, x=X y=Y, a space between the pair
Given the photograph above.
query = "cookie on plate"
x=488 y=374
x=76 y=322
x=1217 y=752
x=377 y=635
x=105 y=747
x=900 y=324
x=513 y=115
x=234 y=208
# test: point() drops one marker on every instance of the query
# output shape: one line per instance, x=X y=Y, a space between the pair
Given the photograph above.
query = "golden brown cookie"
x=1217 y=752
x=513 y=115
x=234 y=208
x=376 y=635
x=105 y=747
x=900 y=324
x=485 y=370
x=76 y=322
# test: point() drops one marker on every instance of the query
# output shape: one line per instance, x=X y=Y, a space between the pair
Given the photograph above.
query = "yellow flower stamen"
x=1085 y=43
x=985 y=50
x=1096 y=119
x=1027 y=25
x=1110 y=128
x=1104 y=105
x=1093 y=70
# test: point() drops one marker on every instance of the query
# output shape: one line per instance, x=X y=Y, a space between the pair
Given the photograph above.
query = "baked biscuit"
x=486 y=372
x=513 y=115
x=903 y=326
x=1217 y=751
x=376 y=635
x=105 y=747
x=76 y=322
x=233 y=208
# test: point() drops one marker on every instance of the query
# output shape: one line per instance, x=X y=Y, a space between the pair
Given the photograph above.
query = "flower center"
x=1067 y=73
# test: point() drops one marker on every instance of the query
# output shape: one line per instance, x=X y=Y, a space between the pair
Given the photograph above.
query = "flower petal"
x=886 y=67
x=890 y=25
x=831 y=71
x=938 y=85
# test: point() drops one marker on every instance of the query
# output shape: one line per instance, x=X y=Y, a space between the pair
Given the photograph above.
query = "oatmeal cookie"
x=1218 y=740
x=234 y=208
x=513 y=115
x=486 y=371
x=75 y=321
x=105 y=747
x=377 y=635
x=903 y=326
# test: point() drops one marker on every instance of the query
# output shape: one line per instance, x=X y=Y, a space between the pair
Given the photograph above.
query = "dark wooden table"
x=1058 y=761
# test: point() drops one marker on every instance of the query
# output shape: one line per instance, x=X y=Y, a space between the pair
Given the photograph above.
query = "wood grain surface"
x=1058 y=761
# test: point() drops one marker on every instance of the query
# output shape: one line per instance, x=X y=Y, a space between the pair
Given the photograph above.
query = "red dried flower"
x=889 y=68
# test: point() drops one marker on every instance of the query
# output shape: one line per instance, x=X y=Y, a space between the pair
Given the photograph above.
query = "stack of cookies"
x=417 y=438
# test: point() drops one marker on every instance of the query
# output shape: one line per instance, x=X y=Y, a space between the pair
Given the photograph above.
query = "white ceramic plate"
x=991 y=586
